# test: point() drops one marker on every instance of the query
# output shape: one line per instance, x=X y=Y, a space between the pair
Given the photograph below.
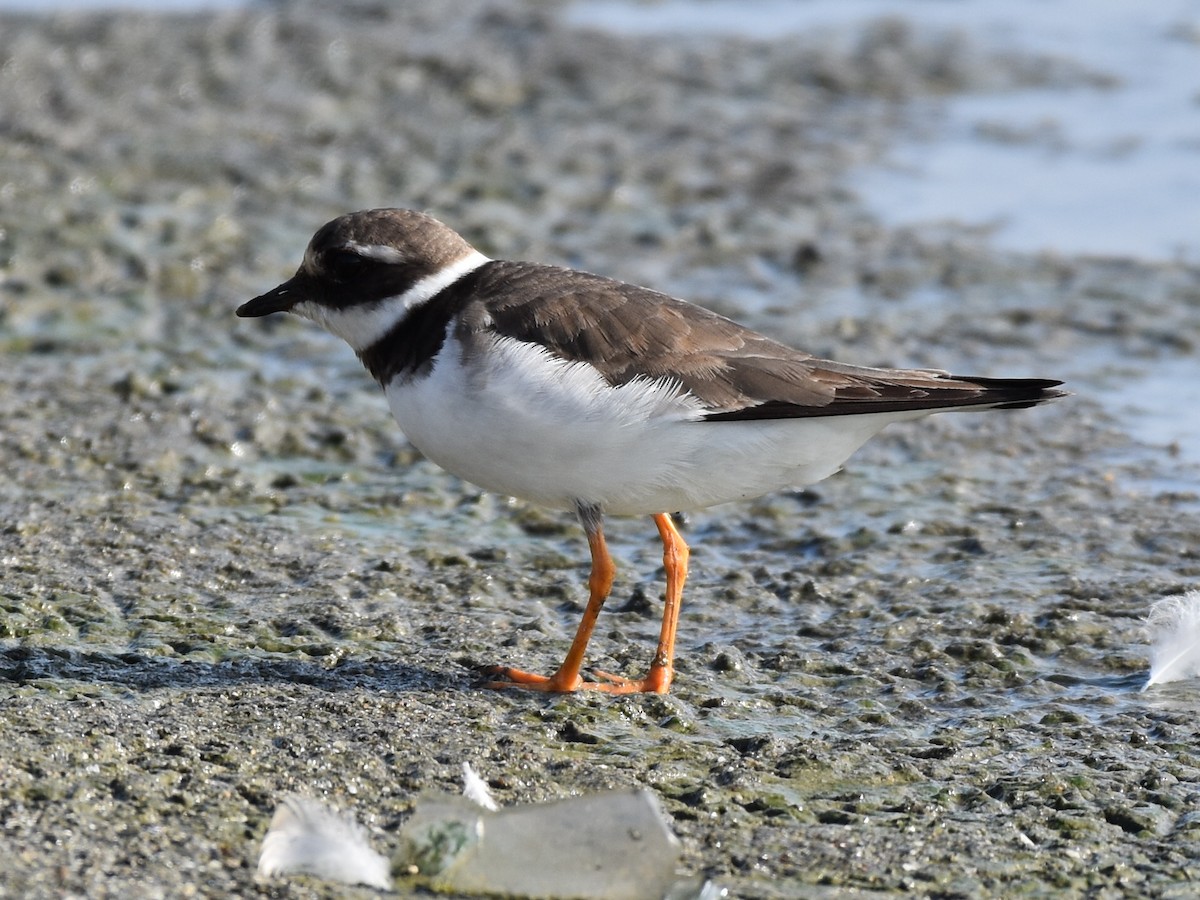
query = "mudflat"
x=224 y=576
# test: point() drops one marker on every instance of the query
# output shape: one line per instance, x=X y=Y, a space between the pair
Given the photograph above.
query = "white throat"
x=361 y=326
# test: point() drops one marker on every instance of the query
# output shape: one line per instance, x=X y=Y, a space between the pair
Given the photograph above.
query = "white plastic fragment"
x=613 y=845
x=310 y=838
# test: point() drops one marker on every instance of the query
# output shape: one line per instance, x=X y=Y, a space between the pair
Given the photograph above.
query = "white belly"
x=532 y=426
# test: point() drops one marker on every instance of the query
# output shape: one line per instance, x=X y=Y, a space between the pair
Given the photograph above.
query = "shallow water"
x=1096 y=163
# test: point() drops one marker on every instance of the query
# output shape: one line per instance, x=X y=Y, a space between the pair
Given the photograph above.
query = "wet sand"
x=226 y=577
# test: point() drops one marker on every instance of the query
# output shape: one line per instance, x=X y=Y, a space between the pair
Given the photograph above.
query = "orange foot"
x=658 y=681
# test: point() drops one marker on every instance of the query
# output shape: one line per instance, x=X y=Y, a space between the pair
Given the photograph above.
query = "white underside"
x=525 y=424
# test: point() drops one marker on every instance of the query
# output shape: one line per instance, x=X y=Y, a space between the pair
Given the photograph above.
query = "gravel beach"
x=224 y=576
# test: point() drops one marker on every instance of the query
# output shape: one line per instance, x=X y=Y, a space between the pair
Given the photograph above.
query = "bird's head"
x=362 y=270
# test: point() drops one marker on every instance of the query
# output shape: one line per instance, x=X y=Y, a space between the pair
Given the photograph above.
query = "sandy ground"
x=226 y=577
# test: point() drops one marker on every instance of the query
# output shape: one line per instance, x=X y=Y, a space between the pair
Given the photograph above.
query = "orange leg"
x=567 y=678
x=675 y=562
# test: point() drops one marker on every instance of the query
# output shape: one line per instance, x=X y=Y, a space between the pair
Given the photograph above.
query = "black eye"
x=342 y=265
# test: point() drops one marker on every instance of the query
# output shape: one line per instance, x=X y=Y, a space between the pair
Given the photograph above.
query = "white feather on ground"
x=1173 y=627
x=476 y=790
x=308 y=837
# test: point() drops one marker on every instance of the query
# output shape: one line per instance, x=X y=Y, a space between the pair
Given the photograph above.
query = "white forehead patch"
x=379 y=252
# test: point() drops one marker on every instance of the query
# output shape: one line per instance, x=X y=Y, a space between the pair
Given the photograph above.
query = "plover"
x=579 y=392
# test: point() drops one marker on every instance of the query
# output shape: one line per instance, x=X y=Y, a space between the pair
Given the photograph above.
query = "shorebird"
x=579 y=392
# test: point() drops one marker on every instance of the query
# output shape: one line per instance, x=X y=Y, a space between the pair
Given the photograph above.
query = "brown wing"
x=626 y=332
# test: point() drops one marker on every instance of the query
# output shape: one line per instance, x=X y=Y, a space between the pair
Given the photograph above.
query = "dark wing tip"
x=1015 y=393
x=936 y=393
